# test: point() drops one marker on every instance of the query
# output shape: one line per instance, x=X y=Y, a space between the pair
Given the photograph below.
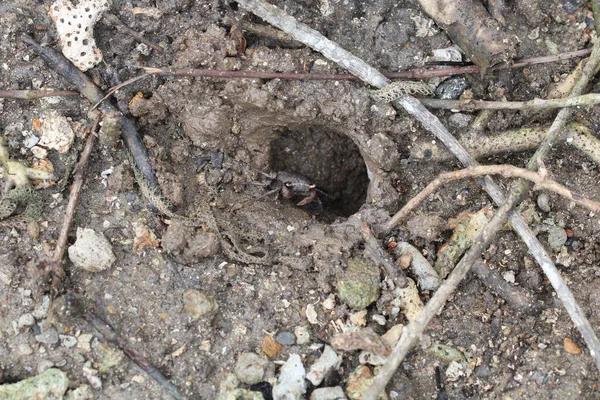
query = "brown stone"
x=270 y=347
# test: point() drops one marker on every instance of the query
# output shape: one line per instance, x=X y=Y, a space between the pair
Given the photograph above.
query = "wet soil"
x=212 y=141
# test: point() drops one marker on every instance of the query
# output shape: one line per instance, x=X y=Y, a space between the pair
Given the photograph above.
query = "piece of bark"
x=471 y=27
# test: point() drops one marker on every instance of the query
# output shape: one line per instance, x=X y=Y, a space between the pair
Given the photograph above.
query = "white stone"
x=329 y=360
x=56 y=132
x=291 y=384
x=75 y=27
x=328 y=393
x=39 y=153
x=302 y=334
x=91 y=251
x=311 y=314
x=26 y=320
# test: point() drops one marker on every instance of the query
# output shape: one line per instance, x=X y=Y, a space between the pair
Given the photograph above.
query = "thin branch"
x=212 y=73
x=374 y=78
x=535 y=104
x=119 y=86
x=508 y=171
x=417 y=73
x=113 y=20
x=35 y=94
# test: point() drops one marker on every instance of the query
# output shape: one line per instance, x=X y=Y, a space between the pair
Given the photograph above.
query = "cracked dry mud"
x=331 y=132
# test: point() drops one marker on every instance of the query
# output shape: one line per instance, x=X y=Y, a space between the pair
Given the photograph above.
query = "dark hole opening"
x=331 y=160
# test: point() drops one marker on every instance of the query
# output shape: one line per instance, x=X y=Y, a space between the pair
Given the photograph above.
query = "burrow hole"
x=330 y=159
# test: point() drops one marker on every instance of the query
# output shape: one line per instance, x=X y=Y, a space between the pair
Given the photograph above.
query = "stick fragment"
x=113 y=20
x=55 y=265
x=506 y=170
x=516 y=297
x=35 y=94
x=535 y=104
x=471 y=27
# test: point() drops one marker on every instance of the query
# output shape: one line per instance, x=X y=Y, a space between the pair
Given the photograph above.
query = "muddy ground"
x=211 y=139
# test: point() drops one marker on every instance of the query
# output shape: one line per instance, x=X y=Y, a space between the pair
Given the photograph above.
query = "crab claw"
x=308 y=199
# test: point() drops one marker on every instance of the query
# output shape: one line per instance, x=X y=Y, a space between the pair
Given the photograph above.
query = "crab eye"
x=288 y=184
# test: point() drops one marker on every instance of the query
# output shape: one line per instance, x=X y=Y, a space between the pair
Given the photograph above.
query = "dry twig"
x=542 y=182
x=596 y=12
x=535 y=104
x=471 y=27
x=78 y=174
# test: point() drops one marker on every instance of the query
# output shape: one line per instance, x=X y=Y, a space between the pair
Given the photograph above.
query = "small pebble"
x=569 y=232
x=67 y=340
x=380 y=319
x=359 y=284
x=130 y=197
x=543 y=202
x=26 y=320
x=359 y=318
x=452 y=88
x=291 y=384
x=311 y=314
x=198 y=304
x=50 y=336
x=25 y=349
x=328 y=361
x=328 y=393
x=91 y=251
x=33 y=229
x=302 y=334
x=557 y=237
x=39 y=152
x=270 y=346
x=571 y=347
x=404 y=261
x=50 y=384
x=250 y=368
x=329 y=302
x=285 y=338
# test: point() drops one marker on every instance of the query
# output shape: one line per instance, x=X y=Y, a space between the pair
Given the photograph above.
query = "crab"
x=291 y=185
